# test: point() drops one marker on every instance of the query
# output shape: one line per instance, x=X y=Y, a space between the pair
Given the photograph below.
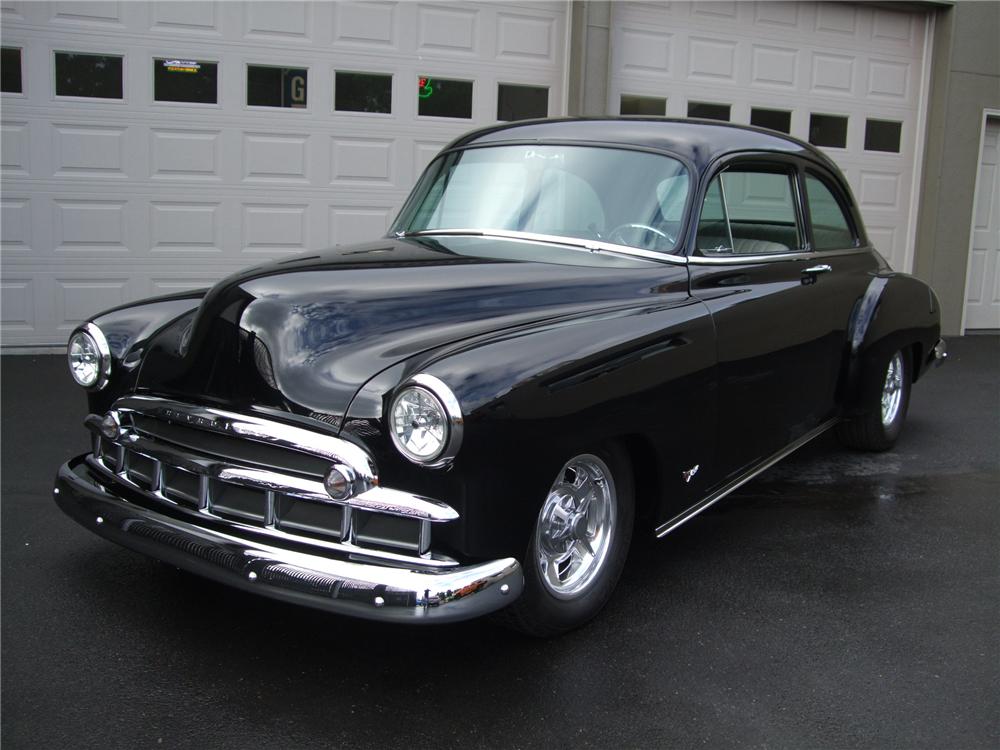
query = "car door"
x=781 y=306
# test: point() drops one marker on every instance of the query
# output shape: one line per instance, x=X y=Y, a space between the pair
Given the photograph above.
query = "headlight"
x=426 y=421
x=89 y=357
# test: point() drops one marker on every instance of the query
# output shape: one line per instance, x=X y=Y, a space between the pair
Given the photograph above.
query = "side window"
x=831 y=229
x=750 y=212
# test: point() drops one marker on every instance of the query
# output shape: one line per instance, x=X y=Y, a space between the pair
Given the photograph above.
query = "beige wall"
x=965 y=80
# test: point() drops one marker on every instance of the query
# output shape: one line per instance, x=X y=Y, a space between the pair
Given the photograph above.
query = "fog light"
x=110 y=426
x=339 y=482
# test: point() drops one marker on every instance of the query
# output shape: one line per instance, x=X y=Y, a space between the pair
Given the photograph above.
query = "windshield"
x=584 y=192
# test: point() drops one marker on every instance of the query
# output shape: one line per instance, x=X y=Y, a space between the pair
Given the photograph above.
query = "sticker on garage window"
x=182 y=66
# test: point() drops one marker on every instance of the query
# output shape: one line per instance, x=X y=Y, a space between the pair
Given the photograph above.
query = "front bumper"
x=352 y=586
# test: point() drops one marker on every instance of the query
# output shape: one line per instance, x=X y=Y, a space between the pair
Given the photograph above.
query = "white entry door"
x=982 y=290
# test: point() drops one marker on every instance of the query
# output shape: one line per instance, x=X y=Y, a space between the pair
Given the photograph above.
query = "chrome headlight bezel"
x=100 y=343
x=452 y=420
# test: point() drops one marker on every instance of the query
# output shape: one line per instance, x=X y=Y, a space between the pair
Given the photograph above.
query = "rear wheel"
x=878 y=427
x=578 y=546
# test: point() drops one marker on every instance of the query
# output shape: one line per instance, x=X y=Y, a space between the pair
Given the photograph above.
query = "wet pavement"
x=841 y=599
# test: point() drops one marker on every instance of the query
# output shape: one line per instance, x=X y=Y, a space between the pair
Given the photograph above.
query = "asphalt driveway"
x=839 y=600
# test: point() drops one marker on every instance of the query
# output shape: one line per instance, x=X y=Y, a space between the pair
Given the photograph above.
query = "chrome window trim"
x=775 y=257
x=592 y=246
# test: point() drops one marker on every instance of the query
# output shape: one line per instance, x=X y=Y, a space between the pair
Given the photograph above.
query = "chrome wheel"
x=892 y=389
x=575 y=526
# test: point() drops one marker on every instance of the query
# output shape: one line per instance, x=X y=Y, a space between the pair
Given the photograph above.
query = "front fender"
x=532 y=398
x=128 y=329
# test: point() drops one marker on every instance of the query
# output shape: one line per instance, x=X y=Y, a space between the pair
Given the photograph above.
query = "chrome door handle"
x=822 y=268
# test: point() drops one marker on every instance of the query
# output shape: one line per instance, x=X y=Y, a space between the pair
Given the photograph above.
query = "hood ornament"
x=689 y=474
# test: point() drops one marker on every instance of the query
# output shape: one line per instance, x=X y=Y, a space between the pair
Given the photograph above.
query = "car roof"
x=699 y=141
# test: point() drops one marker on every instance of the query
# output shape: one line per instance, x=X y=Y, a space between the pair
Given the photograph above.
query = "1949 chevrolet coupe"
x=575 y=329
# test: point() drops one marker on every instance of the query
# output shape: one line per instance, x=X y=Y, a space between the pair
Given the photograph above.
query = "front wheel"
x=578 y=546
x=878 y=427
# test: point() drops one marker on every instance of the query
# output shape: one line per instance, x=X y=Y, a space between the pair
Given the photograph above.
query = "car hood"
x=304 y=334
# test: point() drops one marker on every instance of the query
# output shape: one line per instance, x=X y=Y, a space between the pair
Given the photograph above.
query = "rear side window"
x=749 y=212
x=831 y=228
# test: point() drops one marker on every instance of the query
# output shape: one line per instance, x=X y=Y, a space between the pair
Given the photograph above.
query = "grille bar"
x=260 y=496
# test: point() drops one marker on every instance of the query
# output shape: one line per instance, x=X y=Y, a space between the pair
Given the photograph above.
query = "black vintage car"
x=575 y=331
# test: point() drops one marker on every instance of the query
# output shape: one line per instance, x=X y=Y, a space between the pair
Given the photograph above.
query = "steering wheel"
x=615 y=235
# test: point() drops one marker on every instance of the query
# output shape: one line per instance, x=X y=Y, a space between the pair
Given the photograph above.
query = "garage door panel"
x=526 y=38
x=367 y=161
x=366 y=25
x=184 y=154
x=15 y=148
x=350 y=224
x=17 y=303
x=184 y=18
x=290 y=21
x=76 y=297
x=188 y=228
x=15 y=217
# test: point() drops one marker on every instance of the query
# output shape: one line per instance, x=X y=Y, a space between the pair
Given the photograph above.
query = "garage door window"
x=707 y=111
x=194 y=81
x=269 y=86
x=10 y=71
x=363 y=92
x=829 y=131
x=516 y=102
x=440 y=97
x=642 y=105
x=883 y=135
x=831 y=228
x=92 y=76
x=772 y=119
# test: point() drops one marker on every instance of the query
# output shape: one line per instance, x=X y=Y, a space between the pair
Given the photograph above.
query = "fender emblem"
x=689 y=474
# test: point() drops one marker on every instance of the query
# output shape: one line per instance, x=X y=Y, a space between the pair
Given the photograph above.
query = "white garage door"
x=150 y=148
x=848 y=77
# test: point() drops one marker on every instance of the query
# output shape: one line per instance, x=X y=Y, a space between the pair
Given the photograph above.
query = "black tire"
x=869 y=431
x=540 y=611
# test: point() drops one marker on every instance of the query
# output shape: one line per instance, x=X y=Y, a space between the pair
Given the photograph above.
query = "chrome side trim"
x=772 y=258
x=412 y=594
x=760 y=468
x=555 y=239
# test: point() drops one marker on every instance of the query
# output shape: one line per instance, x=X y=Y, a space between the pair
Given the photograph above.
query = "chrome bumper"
x=356 y=587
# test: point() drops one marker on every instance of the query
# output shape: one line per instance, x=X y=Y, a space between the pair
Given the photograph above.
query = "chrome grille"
x=254 y=472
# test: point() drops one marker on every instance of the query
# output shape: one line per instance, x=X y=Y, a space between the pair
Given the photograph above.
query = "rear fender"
x=897 y=312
